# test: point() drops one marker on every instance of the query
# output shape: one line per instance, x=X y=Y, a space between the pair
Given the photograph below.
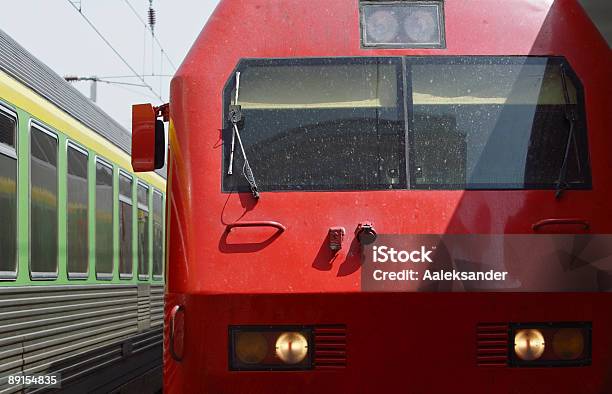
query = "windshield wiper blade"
x=235 y=117
x=570 y=116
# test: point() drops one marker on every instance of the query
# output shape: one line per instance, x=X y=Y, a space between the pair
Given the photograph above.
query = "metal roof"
x=20 y=64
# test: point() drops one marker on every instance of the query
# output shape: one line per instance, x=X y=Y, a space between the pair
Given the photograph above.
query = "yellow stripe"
x=39 y=108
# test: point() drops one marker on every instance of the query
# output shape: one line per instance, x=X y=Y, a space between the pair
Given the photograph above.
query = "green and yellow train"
x=81 y=239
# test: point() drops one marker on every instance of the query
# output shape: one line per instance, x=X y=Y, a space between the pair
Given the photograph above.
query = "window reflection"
x=76 y=220
x=43 y=203
x=321 y=125
x=8 y=196
x=493 y=123
x=158 y=235
x=143 y=231
x=125 y=226
x=104 y=219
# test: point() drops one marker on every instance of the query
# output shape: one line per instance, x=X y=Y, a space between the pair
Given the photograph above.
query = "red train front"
x=310 y=138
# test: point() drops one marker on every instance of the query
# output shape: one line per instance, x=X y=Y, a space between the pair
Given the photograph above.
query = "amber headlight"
x=529 y=344
x=270 y=348
x=551 y=344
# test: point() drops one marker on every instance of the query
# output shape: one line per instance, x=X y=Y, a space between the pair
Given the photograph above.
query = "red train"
x=309 y=138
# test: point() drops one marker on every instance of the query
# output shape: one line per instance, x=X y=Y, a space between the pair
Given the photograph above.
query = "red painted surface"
x=409 y=342
x=143 y=137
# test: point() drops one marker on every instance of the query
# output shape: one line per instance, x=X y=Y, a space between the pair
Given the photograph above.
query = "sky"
x=54 y=32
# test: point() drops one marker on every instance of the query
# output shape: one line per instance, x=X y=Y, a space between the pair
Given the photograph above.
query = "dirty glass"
x=104 y=219
x=319 y=124
x=158 y=235
x=471 y=123
x=76 y=215
x=43 y=204
x=143 y=231
x=125 y=226
x=494 y=123
x=8 y=196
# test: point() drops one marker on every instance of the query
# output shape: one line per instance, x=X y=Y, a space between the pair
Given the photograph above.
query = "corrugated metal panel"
x=157 y=305
x=71 y=329
x=330 y=347
x=492 y=344
x=24 y=67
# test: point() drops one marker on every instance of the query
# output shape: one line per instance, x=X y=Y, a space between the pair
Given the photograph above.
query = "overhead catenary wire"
x=144 y=23
x=90 y=23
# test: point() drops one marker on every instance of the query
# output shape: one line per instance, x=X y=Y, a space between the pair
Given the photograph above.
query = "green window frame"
x=9 y=203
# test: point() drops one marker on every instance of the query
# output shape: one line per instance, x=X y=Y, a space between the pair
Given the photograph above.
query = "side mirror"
x=148 y=138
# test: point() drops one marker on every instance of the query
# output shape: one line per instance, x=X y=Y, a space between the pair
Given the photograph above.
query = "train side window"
x=125 y=226
x=158 y=236
x=77 y=213
x=104 y=220
x=143 y=231
x=43 y=203
x=496 y=123
x=8 y=195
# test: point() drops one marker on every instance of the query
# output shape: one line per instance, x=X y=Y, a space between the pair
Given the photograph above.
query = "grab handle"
x=172 y=345
x=263 y=223
x=554 y=222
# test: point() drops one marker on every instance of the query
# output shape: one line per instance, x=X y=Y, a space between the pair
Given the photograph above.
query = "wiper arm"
x=570 y=115
x=235 y=117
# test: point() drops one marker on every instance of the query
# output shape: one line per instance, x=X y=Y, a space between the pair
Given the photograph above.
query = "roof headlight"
x=382 y=26
x=402 y=24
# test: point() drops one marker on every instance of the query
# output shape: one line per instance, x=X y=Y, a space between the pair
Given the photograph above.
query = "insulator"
x=152 y=18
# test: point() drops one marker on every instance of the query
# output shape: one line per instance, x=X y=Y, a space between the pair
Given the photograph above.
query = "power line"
x=132 y=76
x=101 y=79
x=163 y=51
x=116 y=52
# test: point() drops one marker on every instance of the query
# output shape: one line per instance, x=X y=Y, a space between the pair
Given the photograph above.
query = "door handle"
x=171 y=345
x=263 y=223
x=564 y=222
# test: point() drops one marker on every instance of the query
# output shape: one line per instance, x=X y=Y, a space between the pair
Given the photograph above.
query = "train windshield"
x=412 y=123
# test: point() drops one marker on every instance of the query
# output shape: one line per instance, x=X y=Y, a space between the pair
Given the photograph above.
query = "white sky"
x=54 y=32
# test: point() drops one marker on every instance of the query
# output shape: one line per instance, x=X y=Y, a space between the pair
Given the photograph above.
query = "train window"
x=143 y=231
x=158 y=236
x=76 y=213
x=496 y=123
x=43 y=203
x=125 y=226
x=319 y=124
x=8 y=196
x=104 y=220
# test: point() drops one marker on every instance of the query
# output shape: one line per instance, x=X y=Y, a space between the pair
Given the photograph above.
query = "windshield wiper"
x=235 y=117
x=570 y=116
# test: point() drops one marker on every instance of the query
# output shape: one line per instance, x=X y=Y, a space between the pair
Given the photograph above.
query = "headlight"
x=422 y=24
x=382 y=26
x=529 y=344
x=268 y=348
x=568 y=343
x=251 y=347
x=292 y=347
x=551 y=344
